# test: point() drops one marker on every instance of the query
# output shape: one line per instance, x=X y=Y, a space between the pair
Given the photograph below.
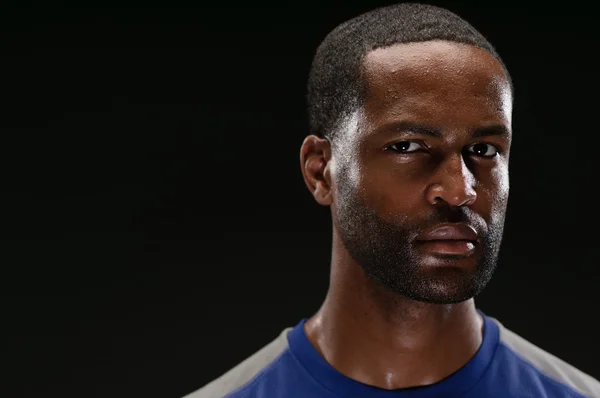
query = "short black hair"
x=335 y=86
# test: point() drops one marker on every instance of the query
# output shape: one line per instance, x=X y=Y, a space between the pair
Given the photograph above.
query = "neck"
x=379 y=338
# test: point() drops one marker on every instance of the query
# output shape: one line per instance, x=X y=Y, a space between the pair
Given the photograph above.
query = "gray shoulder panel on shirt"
x=550 y=365
x=244 y=371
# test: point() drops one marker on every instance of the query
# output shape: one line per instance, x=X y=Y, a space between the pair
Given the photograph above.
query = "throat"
x=397 y=343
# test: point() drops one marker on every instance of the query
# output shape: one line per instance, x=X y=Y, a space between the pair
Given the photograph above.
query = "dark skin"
x=434 y=114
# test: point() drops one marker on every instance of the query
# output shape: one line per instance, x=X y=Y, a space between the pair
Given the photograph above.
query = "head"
x=410 y=116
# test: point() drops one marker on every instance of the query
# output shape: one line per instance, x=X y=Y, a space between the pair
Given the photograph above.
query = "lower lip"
x=449 y=247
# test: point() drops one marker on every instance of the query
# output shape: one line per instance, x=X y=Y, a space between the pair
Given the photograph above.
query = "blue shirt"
x=505 y=366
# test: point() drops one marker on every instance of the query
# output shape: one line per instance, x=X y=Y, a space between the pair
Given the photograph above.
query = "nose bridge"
x=454 y=183
x=458 y=169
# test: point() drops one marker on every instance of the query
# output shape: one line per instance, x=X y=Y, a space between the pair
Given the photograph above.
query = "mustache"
x=443 y=215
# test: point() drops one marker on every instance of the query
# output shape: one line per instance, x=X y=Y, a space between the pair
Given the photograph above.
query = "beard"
x=385 y=249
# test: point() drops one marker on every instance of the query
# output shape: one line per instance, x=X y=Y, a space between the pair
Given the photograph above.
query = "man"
x=410 y=115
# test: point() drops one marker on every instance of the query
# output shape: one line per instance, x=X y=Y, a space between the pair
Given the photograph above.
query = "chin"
x=445 y=285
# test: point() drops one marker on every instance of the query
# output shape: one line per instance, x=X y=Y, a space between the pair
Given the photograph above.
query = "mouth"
x=457 y=239
x=455 y=247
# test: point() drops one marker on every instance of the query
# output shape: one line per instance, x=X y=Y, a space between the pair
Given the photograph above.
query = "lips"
x=450 y=232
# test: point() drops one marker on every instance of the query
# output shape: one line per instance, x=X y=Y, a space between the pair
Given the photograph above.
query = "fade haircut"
x=335 y=85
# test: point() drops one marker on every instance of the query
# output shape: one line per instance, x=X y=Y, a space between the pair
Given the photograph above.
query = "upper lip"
x=450 y=231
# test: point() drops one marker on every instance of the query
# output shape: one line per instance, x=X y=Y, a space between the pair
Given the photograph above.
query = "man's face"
x=429 y=148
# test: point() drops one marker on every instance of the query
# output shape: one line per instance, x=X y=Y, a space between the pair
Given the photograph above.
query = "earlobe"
x=315 y=155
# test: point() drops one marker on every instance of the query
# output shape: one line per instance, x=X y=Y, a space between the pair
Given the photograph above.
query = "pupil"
x=480 y=149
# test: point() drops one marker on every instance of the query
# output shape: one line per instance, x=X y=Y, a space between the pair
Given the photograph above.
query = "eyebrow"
x=411 y=128
x=492 y=130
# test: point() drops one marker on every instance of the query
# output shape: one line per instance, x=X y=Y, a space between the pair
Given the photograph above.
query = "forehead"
x=442 y=81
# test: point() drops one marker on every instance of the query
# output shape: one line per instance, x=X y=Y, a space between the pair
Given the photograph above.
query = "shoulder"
x=551 y=370
x=246 y=371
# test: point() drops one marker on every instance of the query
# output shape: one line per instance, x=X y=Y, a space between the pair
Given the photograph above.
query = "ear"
x=315 y=156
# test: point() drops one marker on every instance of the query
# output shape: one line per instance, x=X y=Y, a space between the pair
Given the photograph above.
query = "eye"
x=405 y=146
x=483 y=150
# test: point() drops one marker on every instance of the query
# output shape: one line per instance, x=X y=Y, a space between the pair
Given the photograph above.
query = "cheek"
x=392 y=192
x=501 y=183
x=492 y=195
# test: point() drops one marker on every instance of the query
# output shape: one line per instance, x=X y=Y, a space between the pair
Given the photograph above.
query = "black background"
x=155 y=226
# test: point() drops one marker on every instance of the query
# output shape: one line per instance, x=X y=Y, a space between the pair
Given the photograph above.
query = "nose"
x=454 y=184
